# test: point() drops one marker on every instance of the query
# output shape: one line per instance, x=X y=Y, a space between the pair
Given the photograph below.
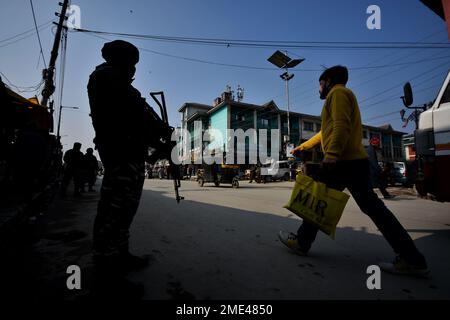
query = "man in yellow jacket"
x=346 y=165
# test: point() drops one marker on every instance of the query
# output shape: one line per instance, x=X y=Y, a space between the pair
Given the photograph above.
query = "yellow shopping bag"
x=317 y=204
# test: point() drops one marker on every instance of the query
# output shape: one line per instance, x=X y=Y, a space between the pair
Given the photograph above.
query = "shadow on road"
x=206 y=251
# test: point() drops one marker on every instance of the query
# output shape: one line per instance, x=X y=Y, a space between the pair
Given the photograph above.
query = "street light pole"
x=282 y=61
x=288 y=122
x=286 y=79
x=59 y=120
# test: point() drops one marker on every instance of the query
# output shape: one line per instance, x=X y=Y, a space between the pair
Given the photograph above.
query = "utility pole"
x=48 y=74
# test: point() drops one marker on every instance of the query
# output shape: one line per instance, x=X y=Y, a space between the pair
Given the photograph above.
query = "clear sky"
x=188 y=81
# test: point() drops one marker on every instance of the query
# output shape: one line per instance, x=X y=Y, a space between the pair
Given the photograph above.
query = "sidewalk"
x=38 y=251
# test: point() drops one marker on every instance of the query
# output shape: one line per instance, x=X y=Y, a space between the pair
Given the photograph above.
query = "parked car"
x=278 y=170
x=399 y=174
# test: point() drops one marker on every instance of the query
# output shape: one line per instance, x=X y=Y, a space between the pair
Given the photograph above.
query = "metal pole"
x=49 y=87
x=287 y=94
x=59 y=122
x=63 y=61
x=416 y=118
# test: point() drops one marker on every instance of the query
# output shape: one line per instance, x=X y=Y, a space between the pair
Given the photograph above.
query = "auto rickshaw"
x=219 y=173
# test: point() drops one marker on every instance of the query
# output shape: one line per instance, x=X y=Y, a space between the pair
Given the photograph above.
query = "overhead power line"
x=22 y=36
x=26 y=32
x=384 y=57
x=269 y=68
x=37 y=33
x=21 y=89
x=275 y=43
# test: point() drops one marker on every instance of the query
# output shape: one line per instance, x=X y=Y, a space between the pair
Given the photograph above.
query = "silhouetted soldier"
x=5 y=114
x=73 y=160
x=124 y=129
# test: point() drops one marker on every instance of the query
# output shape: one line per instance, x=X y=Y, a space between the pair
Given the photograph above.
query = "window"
x=284 y=165
x=397 y=141
x=309 y=126
x=446 y=95
x=239 y=117
x=318 y=126
x=398 y=153
x=265 y=122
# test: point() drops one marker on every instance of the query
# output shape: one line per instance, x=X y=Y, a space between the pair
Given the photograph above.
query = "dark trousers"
x=384 y=192
x=69 y=174
x=355 y=176
x=119 y=200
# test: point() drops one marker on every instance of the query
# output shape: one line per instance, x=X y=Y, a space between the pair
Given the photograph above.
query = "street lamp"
x=59 y=119
x=282 y=61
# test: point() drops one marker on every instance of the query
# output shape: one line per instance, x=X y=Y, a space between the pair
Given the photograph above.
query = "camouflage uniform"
x=120 y=194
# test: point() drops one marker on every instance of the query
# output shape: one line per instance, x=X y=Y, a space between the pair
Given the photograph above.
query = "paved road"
x=221 y=243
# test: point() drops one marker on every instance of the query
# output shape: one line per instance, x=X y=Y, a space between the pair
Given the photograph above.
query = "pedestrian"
x=124 y=125
x=346 y=165
x=161 y=171
x=377 y=174
x=189 y=171
x=252 y=173
x=293 y=170
x=73 y=166
x=90 y=168
x=148 y=170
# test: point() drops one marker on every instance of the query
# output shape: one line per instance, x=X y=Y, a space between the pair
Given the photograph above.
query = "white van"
x=277 y=170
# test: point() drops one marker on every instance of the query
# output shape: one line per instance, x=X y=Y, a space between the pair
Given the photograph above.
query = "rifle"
x=174 y=169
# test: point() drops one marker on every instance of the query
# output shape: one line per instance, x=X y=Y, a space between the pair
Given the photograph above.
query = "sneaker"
x=290 y=240
x=401 y=267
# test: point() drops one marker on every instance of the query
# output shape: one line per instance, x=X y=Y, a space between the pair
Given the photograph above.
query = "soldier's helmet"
x=119 y=52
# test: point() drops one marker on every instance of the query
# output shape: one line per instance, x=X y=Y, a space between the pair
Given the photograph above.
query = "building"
x=410 y=147
x=226 y=113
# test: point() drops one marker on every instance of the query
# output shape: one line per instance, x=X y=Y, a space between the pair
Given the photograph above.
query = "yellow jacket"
x=341 y=134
